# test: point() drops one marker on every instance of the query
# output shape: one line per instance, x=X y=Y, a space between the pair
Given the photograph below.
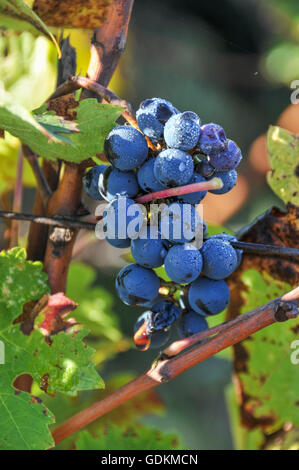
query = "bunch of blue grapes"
x=184 y=151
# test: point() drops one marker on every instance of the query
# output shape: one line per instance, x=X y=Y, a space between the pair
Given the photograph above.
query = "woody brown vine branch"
x=42 y=183
x=107 y=46
x=278 y=310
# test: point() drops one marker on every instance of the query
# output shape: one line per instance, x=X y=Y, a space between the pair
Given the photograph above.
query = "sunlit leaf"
x=283 y=151
x=94 y=122
x=271 y=380
x=28 y=67
x=15 y=14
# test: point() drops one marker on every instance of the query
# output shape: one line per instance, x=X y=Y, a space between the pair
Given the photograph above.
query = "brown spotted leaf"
x=267 y=382
x=88 y=14
x=283 y=152
x=275 y=227
x=127 y=438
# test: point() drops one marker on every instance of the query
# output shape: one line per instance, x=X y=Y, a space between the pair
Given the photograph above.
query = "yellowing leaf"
x=28 y=68
x=283 y=151
x=15 y=14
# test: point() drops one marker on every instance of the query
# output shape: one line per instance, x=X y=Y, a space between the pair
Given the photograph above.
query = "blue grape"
x=205 y=169
x=163 y=315
x=113 y=182
x=146 y=177
x=229 y=179
x=208 y=297
x=149 y=250
x=225 y=236
x=119 y=243
x=212 y=139
x=137 y=285
x=219 y=258
x=173 y=167
x=227 y=159
x=144 y=340
x=191 y=323
x=183 y=263
x=152 y=115
x=126 y=148
x=91 y=181
x=182 y=131
x=194 y=198
x=123 y=219
x=180 y=223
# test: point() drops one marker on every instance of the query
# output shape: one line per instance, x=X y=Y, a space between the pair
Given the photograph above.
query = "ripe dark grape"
x=180 y=223
x=113 y=183
x=212 y=139
x=208 y=297
x=126 y=148
x=149 y=250
x=183 y=263
x=146 y=177
x=173 y=167
x=164 y=313
x=123 y=219
x=225 y=236
x=228 y=159
x=191 y=323
x=182 y=131
x=137 y=285
x=219 y=258
x=205 y=169
x=152 y=115
x=229 y=180
x=144 y=340
x=91 y=182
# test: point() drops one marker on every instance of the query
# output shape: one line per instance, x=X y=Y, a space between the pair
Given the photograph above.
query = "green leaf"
x=15 y=119
x=115 y=438
x=28 y=68
x=63 y=364
x=15 y=14
x=23 y=420
x=159 y=271
x=214 y=229
x=94 y=121
x=283 y=151
x=271 y=380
